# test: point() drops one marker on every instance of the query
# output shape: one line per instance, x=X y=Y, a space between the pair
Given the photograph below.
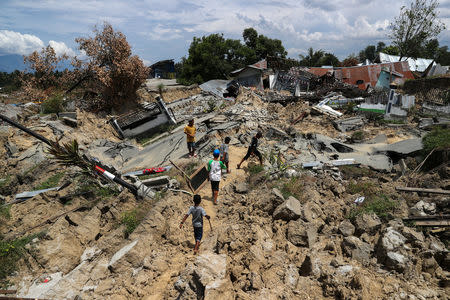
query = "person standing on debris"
x=215 y=167
x=253 y=149
x=224 y=153
x=197 y=213
x=190 y=130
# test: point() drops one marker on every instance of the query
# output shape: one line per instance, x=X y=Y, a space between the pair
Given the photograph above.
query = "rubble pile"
x=322 y=218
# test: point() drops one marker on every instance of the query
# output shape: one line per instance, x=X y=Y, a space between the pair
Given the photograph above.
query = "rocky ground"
x=279 y=232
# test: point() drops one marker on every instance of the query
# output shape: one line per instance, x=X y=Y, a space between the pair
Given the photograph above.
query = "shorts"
x=256 y=152
x=198 y=233
x=215 y=185
x=191 y=146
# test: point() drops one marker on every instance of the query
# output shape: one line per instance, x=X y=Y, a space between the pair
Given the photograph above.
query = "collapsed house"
x=149 y=117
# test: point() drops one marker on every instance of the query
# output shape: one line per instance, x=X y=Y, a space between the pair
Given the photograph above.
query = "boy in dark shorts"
x=197 y=213
x=224 y=157
x=215 y=167
x=190 y=130
x=253 y=149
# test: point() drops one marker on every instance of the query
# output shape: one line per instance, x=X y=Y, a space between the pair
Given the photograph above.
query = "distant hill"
x=10 y=63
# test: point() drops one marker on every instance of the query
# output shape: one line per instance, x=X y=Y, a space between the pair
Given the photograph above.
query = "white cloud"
x=61 y=48
x=162 y=33
x=12 y=42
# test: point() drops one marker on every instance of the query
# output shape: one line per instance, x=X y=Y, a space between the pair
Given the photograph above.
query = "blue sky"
x=162 y=29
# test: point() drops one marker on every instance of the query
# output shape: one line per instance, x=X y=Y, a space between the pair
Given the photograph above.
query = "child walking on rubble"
x=197 y=213
x=224 y=157
x=253 y=149
x=215 y=167
x=190 y=130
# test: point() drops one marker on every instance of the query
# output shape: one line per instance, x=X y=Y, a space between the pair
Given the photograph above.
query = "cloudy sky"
x=161 y=29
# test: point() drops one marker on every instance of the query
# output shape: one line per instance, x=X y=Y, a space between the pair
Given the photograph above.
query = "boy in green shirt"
x=215 y=167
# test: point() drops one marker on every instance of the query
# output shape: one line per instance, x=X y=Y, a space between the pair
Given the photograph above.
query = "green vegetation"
x=214 y=57
x=438 y=138
x=53 y=104
x=318 y=58
x=51 y=182
x=255 y=169
x=275 y=159
x=191 y=167
x=10 y=254
x=5 y=181
x=131 y=219
x=350 y=107
x=358 y=135
x=355 y=172
x=10 y=82
x=292 y=187
x=365 y=188
x=381 y=205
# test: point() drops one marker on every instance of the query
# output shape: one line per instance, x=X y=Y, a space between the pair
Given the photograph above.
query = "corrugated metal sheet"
x=419 y=64
x=363 y=76
x=319 y=71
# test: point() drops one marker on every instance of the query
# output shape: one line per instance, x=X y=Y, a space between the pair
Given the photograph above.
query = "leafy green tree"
x=368 y=53
x=443 y=56
x=211 y=57
x=380 y=47
x=431 y=49
x=391 y=50
x=415 y=26
x=329 y=59
x=312 y=58
x=214 y=57
x=261 y=46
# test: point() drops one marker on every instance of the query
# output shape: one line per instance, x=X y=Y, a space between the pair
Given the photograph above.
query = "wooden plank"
x=199 y=178
x=431 y=217
x=431 y=191
x=188 y=180
x=5 y=292
x=432 y=223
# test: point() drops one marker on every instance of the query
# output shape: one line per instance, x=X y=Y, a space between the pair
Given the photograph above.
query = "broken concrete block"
x=241 y=188
x=156 y=181
x=357 y=249
x=367 y=223
x=121 y=253
x=348 y=124
x=346 y=228
x=291 y=209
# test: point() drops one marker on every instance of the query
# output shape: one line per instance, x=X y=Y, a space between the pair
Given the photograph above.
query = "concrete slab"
x=403 y=147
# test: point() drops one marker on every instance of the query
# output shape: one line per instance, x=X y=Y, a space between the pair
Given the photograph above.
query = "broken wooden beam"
x=432 y=223
x=7 y=292
x=431 y=191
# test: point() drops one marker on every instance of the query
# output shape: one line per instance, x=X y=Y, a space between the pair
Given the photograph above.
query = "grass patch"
x=358 y=135
x=5 y=181
x=53 y=104
x=292 y=187
x=51 y=182
x=132 y=218
x=380 y=205
x=365 y=188
x=355 y=172
x=254 y=169
x=10 y=254
x=438 y=138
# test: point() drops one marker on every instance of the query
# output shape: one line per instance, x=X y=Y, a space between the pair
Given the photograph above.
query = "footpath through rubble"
x=321 y=219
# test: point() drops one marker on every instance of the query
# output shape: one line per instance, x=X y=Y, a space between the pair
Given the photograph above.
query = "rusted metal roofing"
x=364 y=76
x=262 y=64
x=319 y=71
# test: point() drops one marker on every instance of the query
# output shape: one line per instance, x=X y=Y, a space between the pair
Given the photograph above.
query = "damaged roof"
x=418 y=64
x=319 y=71
x=364 y=76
